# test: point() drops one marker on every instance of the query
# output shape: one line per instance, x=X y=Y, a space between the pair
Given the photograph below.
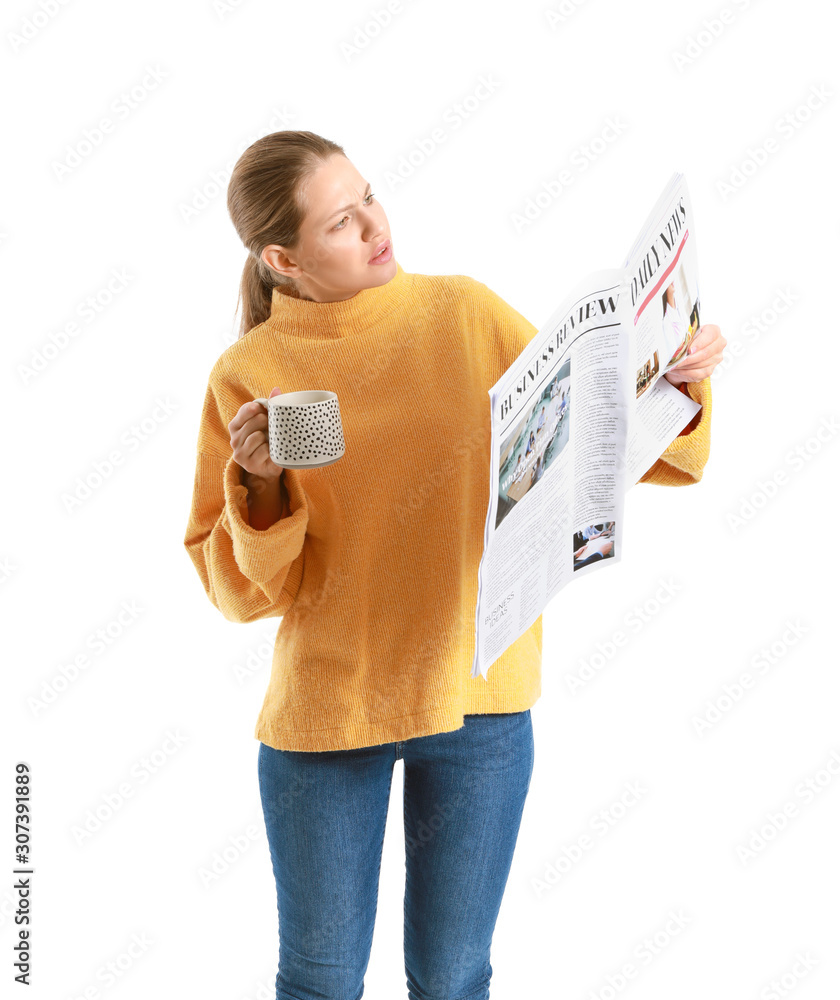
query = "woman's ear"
x=278 y=260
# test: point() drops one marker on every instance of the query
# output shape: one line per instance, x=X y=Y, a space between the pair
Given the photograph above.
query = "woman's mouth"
x=383 y=254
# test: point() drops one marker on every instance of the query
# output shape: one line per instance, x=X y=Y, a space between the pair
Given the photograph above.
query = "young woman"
x=371 y=562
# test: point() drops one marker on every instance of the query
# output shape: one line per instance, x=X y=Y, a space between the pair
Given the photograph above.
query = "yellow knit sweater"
x=373 y=569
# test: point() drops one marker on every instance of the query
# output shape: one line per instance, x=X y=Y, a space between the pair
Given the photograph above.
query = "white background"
x=149 y=201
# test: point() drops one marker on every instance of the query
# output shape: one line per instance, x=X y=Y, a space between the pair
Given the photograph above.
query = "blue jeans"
x=463 y=796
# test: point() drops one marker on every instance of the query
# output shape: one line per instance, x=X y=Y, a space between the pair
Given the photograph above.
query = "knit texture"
x=373 y=567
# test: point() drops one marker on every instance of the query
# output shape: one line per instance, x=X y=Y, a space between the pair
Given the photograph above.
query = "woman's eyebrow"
x=345 y=207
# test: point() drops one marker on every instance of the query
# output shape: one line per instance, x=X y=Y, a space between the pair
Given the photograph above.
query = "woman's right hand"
x=249 y=440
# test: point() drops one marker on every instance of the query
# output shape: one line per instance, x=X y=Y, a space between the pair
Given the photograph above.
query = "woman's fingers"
x=250 y=447
x=250 y=418
x=245 y=413
x=706 y=354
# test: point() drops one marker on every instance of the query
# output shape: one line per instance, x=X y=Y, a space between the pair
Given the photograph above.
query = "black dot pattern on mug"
x=305 y=433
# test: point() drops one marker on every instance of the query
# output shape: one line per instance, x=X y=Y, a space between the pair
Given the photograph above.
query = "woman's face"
x=670 y=294
x=343 y=227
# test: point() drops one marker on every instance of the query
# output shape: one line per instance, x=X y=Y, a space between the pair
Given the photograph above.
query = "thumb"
x=275 y=392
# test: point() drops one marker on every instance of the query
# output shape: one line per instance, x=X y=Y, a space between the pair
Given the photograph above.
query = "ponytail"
x=265 y=208
x=254 y=294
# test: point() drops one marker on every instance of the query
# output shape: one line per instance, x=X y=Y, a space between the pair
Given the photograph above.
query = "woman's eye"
x=339 y=225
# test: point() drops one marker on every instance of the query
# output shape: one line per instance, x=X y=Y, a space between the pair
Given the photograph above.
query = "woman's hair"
x=264 y=203
x=664 y=302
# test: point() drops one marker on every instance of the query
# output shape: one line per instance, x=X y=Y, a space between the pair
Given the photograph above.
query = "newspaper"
x=578 y=418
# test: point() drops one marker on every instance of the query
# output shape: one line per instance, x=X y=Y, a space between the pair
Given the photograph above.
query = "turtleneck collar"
x=334 y=320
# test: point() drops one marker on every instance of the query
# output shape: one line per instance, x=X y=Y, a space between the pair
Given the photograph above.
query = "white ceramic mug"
x=304 y=428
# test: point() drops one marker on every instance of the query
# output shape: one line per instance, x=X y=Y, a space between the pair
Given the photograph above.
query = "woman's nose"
x=376 y=229
x=375 y=225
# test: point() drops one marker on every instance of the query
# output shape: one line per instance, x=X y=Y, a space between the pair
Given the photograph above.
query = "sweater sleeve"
x=247 y=573
x=683 y=461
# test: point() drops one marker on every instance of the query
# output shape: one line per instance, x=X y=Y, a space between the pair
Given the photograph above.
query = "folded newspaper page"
x=578 y=418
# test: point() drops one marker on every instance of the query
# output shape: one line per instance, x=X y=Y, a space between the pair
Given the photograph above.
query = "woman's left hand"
x=704 y=355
